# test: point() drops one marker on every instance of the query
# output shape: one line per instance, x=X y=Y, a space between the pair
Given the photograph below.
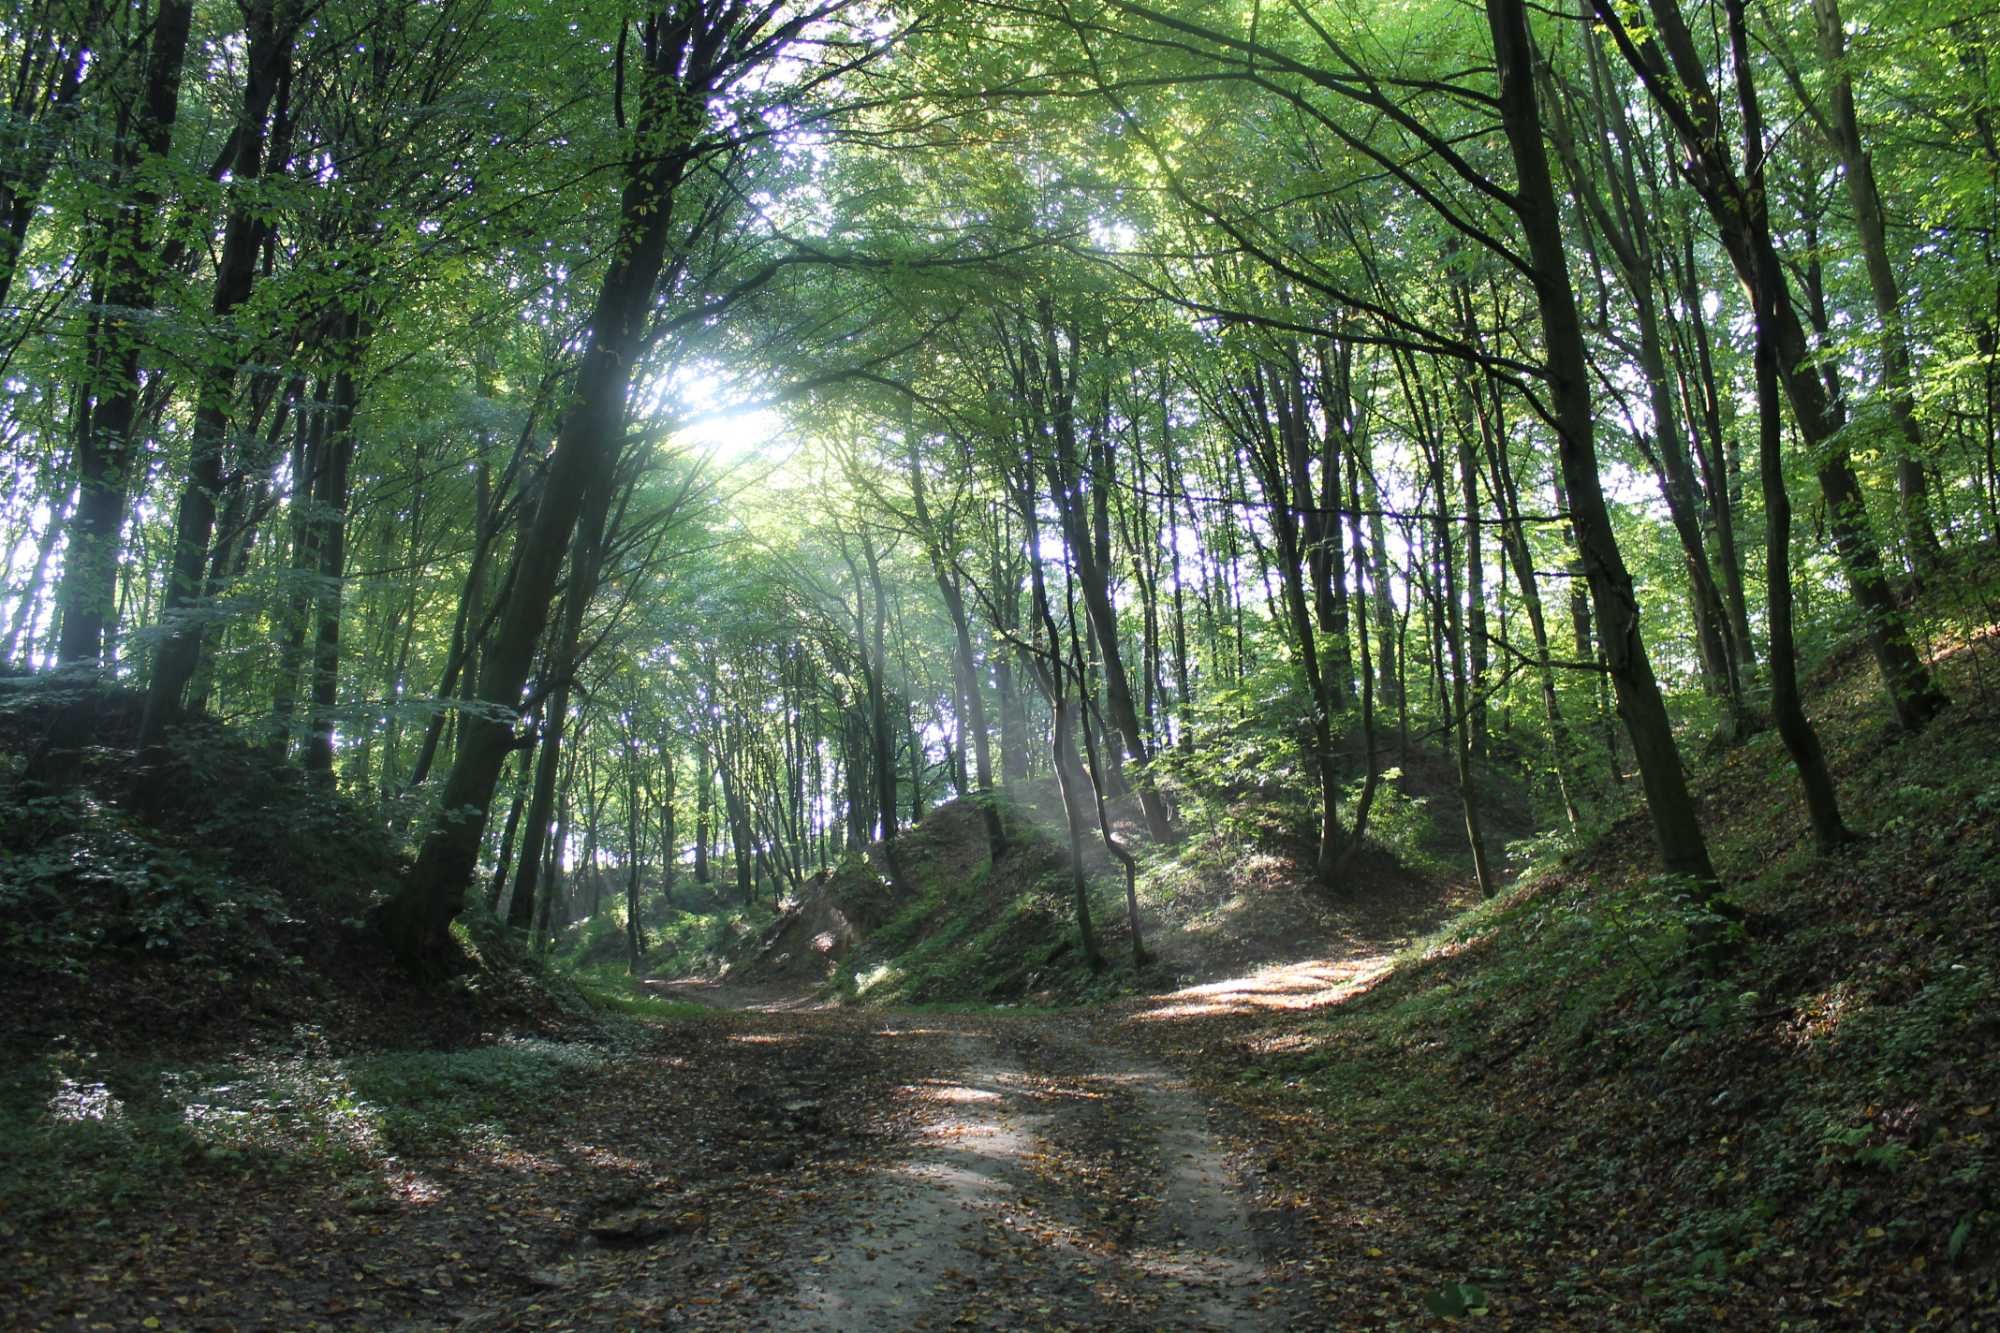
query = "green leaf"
x=1960 y=1234
x=1456 y=1299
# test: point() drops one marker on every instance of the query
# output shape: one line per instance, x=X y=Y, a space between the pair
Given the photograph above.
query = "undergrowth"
x=1631 y=1128
x=81 y=1131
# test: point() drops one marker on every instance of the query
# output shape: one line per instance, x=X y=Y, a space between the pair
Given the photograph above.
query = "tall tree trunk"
x=883 y=736
x=1514 y=542
x=309 y=446
x=965 y=666
x=1052 y=395
x=1858 y=168
x=1623 y=224
x=1801 y=741
x=1126 y=861
x=1268 y=461
x=1062 y=742
x=541 y=810
x=60 y=44
x=1712 y=451
x=740 y=836
x=126 y=283
x=1675 y=824
x=522 y=784
x=330 y=512
x=417 y=919
x=265 y=69
x=1913 y=693
x=1453 y=658
x=703 y=794
x=1472 y=708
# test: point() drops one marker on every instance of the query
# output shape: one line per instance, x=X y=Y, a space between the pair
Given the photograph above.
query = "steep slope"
x=214 y=899
x=1557 y=1110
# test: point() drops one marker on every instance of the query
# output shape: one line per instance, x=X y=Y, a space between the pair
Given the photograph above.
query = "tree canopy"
x=623 y=440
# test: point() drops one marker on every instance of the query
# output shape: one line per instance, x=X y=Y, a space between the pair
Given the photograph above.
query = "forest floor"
x=1372 y=1109
x=749 y=1159
x=781 y=1166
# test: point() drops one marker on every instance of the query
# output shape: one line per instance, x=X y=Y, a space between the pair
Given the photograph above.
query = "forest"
x=1358 y=638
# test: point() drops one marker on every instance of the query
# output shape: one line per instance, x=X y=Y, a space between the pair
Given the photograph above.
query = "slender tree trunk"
x=1050 y=384
x=1858 y=168
x=1118 y=850
x=1063 y=748
x=1452 y=659
x=106 y=441
x=174 y=663
x=61 y=44
x=1913 y=693
x=1514 y=541
x=1268 y=461
x=740 y=837
x=541 y=809
x=31 y=594
x=1710 y=452
x=417 y=919
x=1801 y=741
x=522 y=784
x=308 y=454
x=1675 y=824
x=703 y=788
x=1472 y=708
x=330 y=512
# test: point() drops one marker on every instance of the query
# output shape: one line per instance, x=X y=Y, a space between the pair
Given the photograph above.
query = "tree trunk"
x=703 y=794
x=1452 y=658
x=1269 y=462
x=57 y=55
x=1675 y=825
x=1913 y=693
x=1801 y=741
x=417 y=919
x=106 y=441
x=1514 y=541
x=244 y=228
x=330 y=512
x=541 y=810
x=1051 y=395
x=521 y=787
x=1859 y=170
x=1062 y=744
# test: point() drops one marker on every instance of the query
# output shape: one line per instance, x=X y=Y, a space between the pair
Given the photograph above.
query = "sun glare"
x=717 y=416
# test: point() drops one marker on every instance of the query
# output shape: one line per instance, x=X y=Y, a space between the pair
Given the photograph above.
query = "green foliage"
x=613 y=990
x=1407 y=826
x=689 y=943
x=82 y=880
x=80 y=1132
x=1456 y=1299
x=418 y=1101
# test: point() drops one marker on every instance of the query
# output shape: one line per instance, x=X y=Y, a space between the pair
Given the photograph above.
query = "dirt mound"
x=841 y=908
x=212 y=897
x=809 y=939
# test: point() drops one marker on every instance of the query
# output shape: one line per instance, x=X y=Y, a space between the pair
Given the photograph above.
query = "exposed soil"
x=782 y=1167
x=1057 y=1180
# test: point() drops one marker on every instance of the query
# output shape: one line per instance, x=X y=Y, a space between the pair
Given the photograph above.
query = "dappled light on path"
x=1307 y=985
x=1055 y=1181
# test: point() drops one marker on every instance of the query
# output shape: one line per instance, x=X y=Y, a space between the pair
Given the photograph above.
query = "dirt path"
x=781 y=1167
x=1060 y=1182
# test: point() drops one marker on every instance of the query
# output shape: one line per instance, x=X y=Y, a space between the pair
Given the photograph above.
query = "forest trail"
x=775 y=1164
x=902 y=1169
x=1054 y=1176
x=1059 y=1180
